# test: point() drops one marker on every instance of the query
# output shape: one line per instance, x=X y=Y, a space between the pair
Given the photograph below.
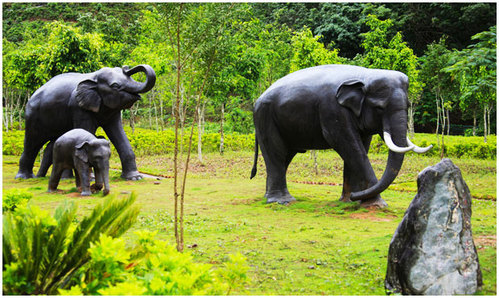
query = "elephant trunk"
x=395 y=130
x=138 y=87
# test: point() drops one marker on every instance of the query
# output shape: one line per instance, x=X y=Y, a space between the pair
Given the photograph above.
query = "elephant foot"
x=283 y=198
x=96 y=187
x=86 y=193
x=105 y=192
x=52 y=189
x=132 y=175
x=24 y=175
x=345 y=198
x=377 y=202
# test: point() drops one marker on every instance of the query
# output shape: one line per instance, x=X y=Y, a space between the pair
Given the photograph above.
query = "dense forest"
x=222 y=56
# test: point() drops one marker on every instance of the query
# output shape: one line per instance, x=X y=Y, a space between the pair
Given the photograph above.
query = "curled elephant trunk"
x=395 y=157
x=138 y=87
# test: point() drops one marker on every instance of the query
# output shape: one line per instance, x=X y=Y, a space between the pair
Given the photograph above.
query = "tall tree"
x=440 y=83
x=475 y=70
x=385 y=52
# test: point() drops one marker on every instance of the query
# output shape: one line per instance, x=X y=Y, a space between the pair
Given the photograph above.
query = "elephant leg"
x=77 y=180
x=277 y=159
x=46 y=160
x=83 y=171
x=32 y=145
x=355 y=180
x=120 y=141
x=375 y=201
x=67 y=174
x=97 y=186
x=55 y=177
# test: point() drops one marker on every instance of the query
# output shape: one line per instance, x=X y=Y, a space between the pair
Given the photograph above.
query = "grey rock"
x=432 y=251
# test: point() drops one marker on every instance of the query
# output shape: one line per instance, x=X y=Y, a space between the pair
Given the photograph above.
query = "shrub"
x=13 y=198
x=13 y=142
x=152 y=268
x=151 y=142
x=455 y=146
x=41 y=252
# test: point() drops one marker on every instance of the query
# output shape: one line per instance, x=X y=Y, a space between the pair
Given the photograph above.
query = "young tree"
x=308 y=51
x=475 y=70
x=440 y=83
x=384 y=52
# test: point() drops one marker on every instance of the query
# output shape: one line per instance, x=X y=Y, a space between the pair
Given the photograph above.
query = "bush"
x=13 y=198
x=151 y=142
x=455 y=146
x=151 y=267
x=41 y=252
x=13 y=142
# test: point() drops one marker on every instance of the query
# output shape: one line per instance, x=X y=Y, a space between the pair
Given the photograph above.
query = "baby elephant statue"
x=339 y=107
x=80 y=150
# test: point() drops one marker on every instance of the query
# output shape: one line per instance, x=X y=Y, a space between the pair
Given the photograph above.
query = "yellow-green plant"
x=152 y=267
x=41 y=252
x=15 y=197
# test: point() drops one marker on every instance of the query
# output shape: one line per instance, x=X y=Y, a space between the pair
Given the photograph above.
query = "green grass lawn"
x=315 y=246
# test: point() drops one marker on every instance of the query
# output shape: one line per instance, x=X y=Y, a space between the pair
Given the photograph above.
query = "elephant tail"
x=255 y=162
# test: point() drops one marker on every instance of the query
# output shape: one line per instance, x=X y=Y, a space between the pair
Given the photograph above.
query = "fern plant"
x=41 y=253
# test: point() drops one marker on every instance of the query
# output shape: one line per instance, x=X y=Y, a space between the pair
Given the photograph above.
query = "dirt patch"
x=73 y=195
x=483 y=241
x=372 y=215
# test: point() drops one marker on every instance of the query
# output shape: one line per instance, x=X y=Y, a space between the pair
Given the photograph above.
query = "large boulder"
x=432 y=251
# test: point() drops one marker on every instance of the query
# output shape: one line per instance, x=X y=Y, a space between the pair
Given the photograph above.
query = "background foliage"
x=235 y=51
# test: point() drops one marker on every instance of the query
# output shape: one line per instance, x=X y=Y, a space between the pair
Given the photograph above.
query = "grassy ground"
x=316 y=246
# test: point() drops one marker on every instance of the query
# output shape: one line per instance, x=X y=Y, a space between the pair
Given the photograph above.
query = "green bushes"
x=150 y=142
x=455 y=146
x=45 y=255
x=41 y=252
x=13 y=198
x=152 y=267
x=13 y=142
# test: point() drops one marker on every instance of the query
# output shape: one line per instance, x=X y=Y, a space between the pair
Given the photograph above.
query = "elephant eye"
x=115 y=86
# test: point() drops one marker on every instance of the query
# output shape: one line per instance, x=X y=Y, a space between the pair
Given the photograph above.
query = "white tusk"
x=395 y=148
x=418 y=149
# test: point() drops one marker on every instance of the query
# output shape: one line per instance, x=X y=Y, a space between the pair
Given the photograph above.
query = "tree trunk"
x=485 y=124
x=313 y=153
x=448 y=122
x=438 y=119
x=411 y=120
x=200 y=132
x=489 y=111
x=222 y=129
x=442 y=151
x=155 y=113
x=474 y=123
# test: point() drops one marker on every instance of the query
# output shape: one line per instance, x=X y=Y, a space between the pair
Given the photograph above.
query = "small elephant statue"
x=339 y=107
x=87 y=101
x=80 y=150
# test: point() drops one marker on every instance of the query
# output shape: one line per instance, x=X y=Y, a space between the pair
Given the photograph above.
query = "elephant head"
x=96 y=153
x=380 y=106
x=113 y=88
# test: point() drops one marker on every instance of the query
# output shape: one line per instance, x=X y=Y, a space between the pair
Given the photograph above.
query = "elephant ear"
x=351 y=94
x=81 y=151
x=87 y=96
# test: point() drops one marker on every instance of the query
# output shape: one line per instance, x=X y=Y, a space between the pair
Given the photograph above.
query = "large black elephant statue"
x=87 y=101
x=339 y=107
x=82 y=151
